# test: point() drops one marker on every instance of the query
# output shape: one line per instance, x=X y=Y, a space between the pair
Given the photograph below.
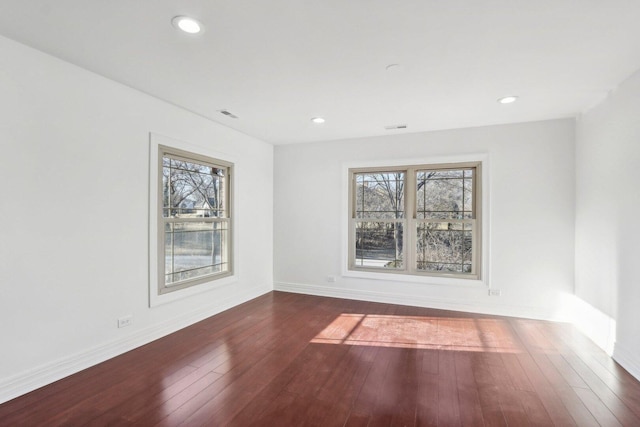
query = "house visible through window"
x=421 y=220
x=194 y=220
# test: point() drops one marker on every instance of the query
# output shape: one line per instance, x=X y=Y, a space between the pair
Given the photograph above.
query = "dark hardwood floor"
x=293 y=360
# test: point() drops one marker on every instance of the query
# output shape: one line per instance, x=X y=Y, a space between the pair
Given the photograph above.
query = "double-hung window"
x=194 y=219
x=419 y=220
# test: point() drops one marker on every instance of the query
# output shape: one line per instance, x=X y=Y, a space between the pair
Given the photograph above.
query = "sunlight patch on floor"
x=460 y=334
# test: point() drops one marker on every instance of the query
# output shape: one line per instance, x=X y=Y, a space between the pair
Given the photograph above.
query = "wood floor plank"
x=487 y=392
x=512 y=408
x=599 y=410
x=340 y=392
x=407 y=374
x=468 y=396
x=616 y=391
x=135 y=405
x=245 y=374
x=596 y=386
x=427 y=399
x=395 y=404
x=373 y=386
x=299 y=360
x=448 y=404
x=534 y=409
x=552 y=403
x=517 y=375
x=541 y=346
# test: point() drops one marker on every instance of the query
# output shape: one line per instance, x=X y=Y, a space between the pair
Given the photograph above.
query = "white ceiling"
x=278 y=63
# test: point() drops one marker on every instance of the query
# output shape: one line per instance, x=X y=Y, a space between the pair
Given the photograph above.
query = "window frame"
x=189 y=156
x=410 y=221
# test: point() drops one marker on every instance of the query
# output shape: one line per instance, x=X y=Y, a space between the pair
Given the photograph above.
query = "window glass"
x=425 y=226
x=195 y=219
x=380 y=195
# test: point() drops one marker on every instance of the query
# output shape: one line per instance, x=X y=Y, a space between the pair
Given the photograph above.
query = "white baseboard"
x=627 y=359
x=25 y=382
x=416 y=300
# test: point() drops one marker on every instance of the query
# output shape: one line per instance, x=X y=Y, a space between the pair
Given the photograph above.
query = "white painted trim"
x=627 y=360
x=414 y=278
x=416 y=301
x=25 y=382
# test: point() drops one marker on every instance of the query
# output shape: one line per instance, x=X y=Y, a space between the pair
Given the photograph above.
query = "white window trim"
x=155 y=298
x=484 y=280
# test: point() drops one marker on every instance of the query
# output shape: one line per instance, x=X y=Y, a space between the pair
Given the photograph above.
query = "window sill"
x=425 y=280
x=160 y=299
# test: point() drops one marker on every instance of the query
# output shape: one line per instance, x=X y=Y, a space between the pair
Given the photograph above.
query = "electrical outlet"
x=331 y=279
x=494 y=292
x=125 y=321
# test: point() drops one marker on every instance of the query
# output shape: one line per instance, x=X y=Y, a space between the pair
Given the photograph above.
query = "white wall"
x=607 y=204
x=74 y=210
x=531 y=208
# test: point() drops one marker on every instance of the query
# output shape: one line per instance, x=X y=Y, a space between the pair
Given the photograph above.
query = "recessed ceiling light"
x=508 y=99
x=317 y=120
x=186 y=24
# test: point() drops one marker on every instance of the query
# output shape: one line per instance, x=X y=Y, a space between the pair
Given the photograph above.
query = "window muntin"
x=194 y=220
x=420 y=220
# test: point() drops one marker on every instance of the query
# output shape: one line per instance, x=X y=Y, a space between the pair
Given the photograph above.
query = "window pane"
x=444 y=194
x=194 y=249
x=380 y=195
x=444 y=247
x=192 y=190
x=379 y=244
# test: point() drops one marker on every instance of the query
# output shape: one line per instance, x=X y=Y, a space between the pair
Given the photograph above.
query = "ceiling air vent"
x=228 y=114
x=393 y=127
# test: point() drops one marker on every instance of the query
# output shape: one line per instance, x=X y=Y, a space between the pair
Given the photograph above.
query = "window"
x=419 y=220
x=194 y=222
